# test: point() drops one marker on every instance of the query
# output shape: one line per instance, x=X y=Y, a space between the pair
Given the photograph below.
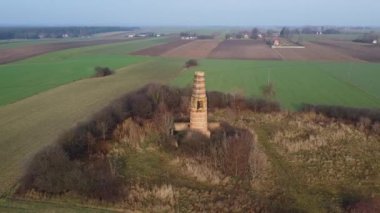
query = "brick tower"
x=198 y=108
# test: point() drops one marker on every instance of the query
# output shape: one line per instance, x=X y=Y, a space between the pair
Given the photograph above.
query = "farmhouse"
x=188 y=37
x=276 y=42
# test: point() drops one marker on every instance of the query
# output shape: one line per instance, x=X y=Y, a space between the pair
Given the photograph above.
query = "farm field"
x=32 y=123
x=9 y=44
x=337 y=37
x=26 y=51
x=244 y=49
x=330 y=83
x=194 y=49
x=361 y=51
x=314 y=52
x=31 y=76
x=321 y=50
x=161 y=49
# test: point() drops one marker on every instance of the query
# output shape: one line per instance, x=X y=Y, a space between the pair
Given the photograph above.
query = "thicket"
x=368 y=38
x=191 y=63
x=103 y=71
x=80 y=161
x=367 y=118
x=228 y=150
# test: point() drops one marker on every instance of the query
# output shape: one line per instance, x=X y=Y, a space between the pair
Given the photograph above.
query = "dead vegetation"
x=324 y=162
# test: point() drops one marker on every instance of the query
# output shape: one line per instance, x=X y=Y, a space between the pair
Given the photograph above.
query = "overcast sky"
x=190 y=12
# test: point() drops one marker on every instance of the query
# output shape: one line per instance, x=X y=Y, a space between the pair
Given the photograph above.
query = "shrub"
x=51 y=171
x=262 y=105
x=350 y=114
x=268 y=90
x=194 y=144
x=103 y=71
x=100 y=182
x=191 y=63
x=218 y=100
x=228 y=149
x=231 y=148
x=140 y=106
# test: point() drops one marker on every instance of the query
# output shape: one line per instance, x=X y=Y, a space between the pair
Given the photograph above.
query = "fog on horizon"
x=189 y=13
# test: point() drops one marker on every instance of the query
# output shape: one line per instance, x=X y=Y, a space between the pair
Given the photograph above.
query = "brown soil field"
x=161 y=49
x=19 y=53
x=315 y=52
x=194 y=49
x=244 y=49
x=366 y=52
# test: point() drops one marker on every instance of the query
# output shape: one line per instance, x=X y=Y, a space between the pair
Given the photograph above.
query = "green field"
x=26 y=78
x=348 y=84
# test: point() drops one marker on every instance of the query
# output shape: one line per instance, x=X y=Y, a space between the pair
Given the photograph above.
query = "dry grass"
x=317 y=163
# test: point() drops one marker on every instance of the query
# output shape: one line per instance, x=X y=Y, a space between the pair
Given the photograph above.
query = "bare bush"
x=140 y=106
x=353 y=115
x=101 y=183
x=52 y=172
x=268 y=90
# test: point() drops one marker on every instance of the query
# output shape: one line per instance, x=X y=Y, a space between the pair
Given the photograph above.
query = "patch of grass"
x=330 y=83
x=12 y=205
x=154 y=168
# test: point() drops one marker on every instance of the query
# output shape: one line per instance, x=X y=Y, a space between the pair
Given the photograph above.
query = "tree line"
x=55 y=32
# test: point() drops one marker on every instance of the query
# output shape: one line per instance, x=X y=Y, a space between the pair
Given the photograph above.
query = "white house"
x=374 y=41
x=276 y=42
